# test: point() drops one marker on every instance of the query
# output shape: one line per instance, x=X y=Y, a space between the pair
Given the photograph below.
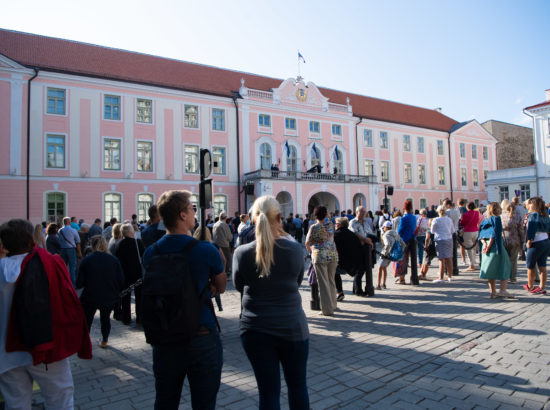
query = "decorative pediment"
x=6 y=62
x=296 y=91
x=473 y=129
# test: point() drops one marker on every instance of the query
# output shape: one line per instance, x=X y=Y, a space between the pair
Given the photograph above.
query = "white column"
x=231 y=145
x=74 y=133
x=352 y=156
x=159 y=153
x=247 y=160
x=129 y=145
x=178 y=146
x=16 y=121
x=96 y=154
x=299 y=199
x=37 y=154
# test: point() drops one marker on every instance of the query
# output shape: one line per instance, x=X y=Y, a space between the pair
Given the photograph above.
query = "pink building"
x=111 y=130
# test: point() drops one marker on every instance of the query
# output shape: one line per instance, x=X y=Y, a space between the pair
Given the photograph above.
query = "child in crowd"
x=388 y=239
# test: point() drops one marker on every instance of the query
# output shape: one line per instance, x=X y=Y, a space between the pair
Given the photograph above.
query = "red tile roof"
x=72 y=57
x=542 y=104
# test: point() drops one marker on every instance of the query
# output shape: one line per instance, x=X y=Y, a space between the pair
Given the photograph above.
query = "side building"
x=97 y=132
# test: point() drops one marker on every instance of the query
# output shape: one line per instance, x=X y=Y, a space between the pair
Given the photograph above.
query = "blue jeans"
x=537 y=254
x=69 y=256
x=200 y=360
x=265 y=353
x=420 y=240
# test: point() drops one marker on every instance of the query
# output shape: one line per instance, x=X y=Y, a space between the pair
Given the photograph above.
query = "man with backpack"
x=181 y=276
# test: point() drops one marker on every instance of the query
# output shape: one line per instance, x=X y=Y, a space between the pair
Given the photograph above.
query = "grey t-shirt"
x=272 y=304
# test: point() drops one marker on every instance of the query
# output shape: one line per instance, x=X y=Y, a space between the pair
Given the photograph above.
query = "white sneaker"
x=438 y=281
x=450 y=279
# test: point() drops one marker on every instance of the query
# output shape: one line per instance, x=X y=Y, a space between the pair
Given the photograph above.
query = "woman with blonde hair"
x=442 y=229
x=274 y=332
x=495 y=263
x=116 y=238
x=38 y=236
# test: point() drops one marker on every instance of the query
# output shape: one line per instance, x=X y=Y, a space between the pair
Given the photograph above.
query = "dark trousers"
x=338 y=282
x=266 y=354
x=126 y=306
x=104 y=317
x=298 y=235
x=367 y=272
x=411 y=251
x=200 y=360
x=455 y=249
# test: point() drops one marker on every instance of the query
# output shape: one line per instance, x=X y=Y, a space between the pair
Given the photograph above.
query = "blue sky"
x=481 y=59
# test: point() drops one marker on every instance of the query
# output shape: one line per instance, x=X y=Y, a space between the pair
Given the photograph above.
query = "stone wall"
x=515 y=144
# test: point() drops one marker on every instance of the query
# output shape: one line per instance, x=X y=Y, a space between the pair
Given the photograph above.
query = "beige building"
x=515 y=144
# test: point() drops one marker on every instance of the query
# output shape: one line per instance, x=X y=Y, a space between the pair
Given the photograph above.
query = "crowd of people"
x=99 y=266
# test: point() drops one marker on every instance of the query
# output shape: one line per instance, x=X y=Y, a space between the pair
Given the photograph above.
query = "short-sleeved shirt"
x=361 y=228
x=68 y=237
x=205 y=262
x=321 y=239
x=442 y=228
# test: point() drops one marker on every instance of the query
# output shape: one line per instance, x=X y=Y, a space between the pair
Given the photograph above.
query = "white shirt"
x=442 y=228
x=454 y=214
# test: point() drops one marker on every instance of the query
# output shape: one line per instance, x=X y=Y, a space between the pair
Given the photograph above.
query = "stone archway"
x=359 y=199
x=285 y=200
x=326 y=199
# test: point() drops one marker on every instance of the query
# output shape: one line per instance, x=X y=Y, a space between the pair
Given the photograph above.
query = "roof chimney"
x=548 y=95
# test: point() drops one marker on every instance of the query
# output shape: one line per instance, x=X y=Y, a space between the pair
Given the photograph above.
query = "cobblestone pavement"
x=433 y=346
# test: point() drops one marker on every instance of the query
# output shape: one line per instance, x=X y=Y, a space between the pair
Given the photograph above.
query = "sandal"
x=378 y=287
x=495 y=296
x=384 y=286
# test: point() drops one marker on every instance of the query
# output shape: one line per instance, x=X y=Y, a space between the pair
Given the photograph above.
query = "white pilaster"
x=179 y=156
x=74 y=134
x=299 y=199
x=96 y=155
x=205 y=125
x=352 y=156
x=16 y=121
x=247 y=160
x=160 y=126
x=37 y=155
x=129 y=145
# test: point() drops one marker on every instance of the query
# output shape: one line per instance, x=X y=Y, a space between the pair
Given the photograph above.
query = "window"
x=191 y=116
x=503 y=191
x=218 y=158
x=55 y=206
x=423 y=203
x=485 y=153
x=144 y=111
x=191 y=159
x=290 y=123
x=384 y=171
x=55 y=149
x=112 y=206
x=56 y=101
x=291 y=159
x=111 y=107
x=367 y=138
x=462 y=148
x=476 y=202
x=337 y=129
x=145 y=156
x=421 y=174
x=111 y=154
x=475 y=177
x=315 y=156
x=383 y=139
x=474 y=151
x=420 y=141
x=406 y=143
x=407 y=170
x=338 y=161
x=485 y=174
x=441 y=175
x=144 y=201
x=218 y=119
x=525 y=192
x=264 y=120
x=265 y=156
x=369 y=167
x=440 y=149
x=314 y=126
x=220 y=204
x=464 y=177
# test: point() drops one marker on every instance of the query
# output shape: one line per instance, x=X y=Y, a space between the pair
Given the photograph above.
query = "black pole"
x=385 y=196
x=29 y=139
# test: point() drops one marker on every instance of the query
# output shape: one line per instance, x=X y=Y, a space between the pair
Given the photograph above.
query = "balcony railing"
x=308 y=176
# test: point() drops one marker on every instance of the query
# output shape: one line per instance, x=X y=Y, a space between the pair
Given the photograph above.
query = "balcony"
x=307 y=177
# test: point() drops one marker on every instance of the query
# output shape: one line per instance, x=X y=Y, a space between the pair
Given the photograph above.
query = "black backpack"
x=171 y=306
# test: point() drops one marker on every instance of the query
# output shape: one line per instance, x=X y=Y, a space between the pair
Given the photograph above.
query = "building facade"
x=515 y=144
x=540 y=113
x=97 y=132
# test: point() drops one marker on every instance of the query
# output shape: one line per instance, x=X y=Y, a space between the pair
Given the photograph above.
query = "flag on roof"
x=300 y=56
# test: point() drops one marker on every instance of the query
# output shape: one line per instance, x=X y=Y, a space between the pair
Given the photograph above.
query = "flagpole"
x=299 y=74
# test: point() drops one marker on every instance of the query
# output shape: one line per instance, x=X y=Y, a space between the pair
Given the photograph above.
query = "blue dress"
x=495 y=264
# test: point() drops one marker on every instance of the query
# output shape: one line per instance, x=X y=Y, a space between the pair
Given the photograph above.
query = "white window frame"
x=384 y=140
x=440 y=143
x=485 y=153
x=185 y=159
x=265 y=156
x=387 y=178
x=421 y=170
x=216 y=210
x=368 y=165
x=504 y=192
x=112 y=105
x=338 y=128
x=138 y=202
x=290 y=158
x=410 y=179
x=463 y=177
x=475 y=178
x=152 y=111
x=104 y=194
x=441 y=172
x=311 y=125
x=420 y=146
x=152 y=171
x=337 y=163
x=367 y=138
x=65 y=203
x=525 y=193
x=262 y=120
x=423 y=201
x=198 y=116
x=65 y=101
x=406 y=143
x=121 y=156
x=474 y=151
x=65 y=151
x=223 y=127
x=286 y=123
x=462 y=150
x=224 y=157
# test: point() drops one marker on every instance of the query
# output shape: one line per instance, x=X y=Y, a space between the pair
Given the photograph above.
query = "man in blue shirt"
x=297 y=221
x=201 y=359
x=70 y=247
x=155 y=230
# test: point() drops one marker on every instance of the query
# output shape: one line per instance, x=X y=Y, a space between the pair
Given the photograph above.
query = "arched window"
x=337 y=160
x=55 y=206
x=112 y=205
x=144 y=201
x=291 y=160
x=315 y=156
x=265 y=156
